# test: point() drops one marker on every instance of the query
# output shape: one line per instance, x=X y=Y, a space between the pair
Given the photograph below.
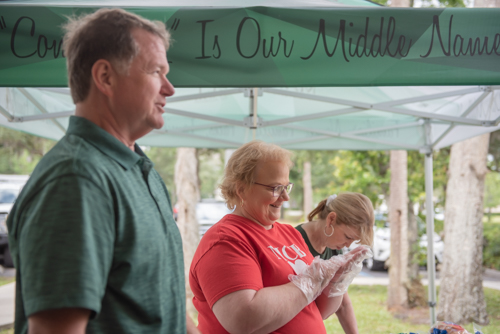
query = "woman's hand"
x=315 y=277
x=350 y=266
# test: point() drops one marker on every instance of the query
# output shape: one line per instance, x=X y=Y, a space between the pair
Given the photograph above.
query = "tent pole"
x=429 y=209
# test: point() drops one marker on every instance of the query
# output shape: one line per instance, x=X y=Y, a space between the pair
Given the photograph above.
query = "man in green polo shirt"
x=92 y=234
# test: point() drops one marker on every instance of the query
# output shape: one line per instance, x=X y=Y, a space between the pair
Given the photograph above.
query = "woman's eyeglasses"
x=278 y=190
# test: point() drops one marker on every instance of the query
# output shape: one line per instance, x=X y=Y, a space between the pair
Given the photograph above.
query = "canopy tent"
x=341 y=66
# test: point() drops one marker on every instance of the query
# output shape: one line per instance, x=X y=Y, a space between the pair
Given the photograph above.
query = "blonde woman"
x=336 y=223
x=240 y=271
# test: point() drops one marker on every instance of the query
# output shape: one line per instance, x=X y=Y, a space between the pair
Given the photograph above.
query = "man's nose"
x=167 y=89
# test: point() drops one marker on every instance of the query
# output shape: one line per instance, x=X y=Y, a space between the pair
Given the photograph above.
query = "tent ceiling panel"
x=217 y=117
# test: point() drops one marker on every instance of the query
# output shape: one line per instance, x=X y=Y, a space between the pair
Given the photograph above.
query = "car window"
x=211 y=211
x=8 y=196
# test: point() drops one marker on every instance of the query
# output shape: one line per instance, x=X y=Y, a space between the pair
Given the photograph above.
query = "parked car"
x=382 y=244
x=10 y=187
x=209 y=212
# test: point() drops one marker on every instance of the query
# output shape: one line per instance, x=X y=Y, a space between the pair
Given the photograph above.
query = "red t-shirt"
x=237 y=254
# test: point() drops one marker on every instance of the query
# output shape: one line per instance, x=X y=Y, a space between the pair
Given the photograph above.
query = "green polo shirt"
x=93 y=229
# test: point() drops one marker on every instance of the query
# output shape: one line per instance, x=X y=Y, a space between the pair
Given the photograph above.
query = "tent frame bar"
x=349 y=136
x=6 y=114
x=204 y=117
x=174 y=132
x=466 y=112
x=41 y=117
x=312 y=116
x=433 y=96
x=319 y=98
x=205 y=95
x=40 y=107
x=429 y=215
x=385 y=106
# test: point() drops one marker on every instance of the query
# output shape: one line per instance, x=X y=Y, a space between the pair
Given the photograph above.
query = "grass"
x=6 y=280
x=373 y=317
x=7 y=331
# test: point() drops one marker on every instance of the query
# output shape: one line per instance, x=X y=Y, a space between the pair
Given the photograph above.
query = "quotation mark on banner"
x=2 y=23
x=175 y=25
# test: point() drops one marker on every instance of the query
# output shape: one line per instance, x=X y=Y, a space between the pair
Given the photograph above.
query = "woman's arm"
x=328 y=306
x=346 y=316
x=263 y=311
x=190 y=326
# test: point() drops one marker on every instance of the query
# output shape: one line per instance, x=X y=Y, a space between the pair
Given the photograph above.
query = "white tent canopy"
x=351 y=118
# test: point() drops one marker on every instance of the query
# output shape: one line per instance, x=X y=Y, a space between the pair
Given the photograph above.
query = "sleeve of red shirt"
x=227 y=267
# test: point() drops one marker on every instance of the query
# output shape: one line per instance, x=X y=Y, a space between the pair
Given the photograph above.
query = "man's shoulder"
x=72 y=156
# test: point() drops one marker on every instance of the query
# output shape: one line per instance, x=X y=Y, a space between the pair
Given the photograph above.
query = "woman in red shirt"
x=240 y=271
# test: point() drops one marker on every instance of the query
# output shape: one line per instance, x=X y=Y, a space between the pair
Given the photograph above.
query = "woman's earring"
x=328 y=235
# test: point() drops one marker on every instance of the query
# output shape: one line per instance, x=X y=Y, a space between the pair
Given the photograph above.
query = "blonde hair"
x=240 y=168
x=104 y=34
x=352 y=209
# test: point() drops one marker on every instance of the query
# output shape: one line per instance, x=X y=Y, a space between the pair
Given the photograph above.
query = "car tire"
x=7 y=258
x=375 y=265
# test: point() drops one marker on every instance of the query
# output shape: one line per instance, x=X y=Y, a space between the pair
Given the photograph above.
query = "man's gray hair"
x=104 y=34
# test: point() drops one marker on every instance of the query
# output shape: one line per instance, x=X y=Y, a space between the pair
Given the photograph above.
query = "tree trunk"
x=461 y=298
x=398 y=219
x=188 y=194
x=487 y=3
x=307 y=184
x=401 y=3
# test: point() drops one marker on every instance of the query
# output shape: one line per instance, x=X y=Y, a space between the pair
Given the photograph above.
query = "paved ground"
x=7 y=293
x=491 y=279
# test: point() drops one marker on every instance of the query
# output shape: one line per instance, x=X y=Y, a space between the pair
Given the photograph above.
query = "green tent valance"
x=249 y=44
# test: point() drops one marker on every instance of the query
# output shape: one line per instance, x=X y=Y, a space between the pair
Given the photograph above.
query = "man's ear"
x=103 y=76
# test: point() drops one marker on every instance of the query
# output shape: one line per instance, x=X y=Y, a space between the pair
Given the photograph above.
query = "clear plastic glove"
x=351 y=265
x=315 y=278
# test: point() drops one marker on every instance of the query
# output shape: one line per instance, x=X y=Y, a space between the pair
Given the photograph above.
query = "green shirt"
x=93 y=229
x=328 y=253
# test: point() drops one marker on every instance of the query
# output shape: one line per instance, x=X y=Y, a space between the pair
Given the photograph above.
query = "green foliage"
x=444 y=3
x=211 y=169
x=491 y=247
x=164 y=159
x=365 y=172
x=494 y=152
x=20 y=152
x=380 y=2
x=492 y=190
x=416 y=177
x=321 y=174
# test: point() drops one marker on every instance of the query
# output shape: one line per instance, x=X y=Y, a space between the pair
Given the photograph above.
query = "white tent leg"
x=429 y=209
